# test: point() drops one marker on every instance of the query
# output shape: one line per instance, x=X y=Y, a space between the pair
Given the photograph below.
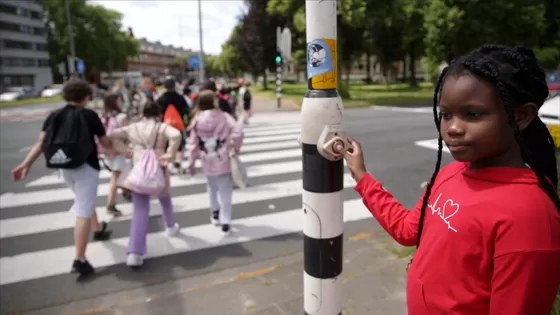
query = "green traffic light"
x=278 y=59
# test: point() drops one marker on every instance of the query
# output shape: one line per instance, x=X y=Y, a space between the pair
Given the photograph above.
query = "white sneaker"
x=172 y=231
x=215 y=219
x=134 y=260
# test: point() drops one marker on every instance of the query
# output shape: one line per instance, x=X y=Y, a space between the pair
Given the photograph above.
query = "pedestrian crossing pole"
x=279 y=80
x=322 y=115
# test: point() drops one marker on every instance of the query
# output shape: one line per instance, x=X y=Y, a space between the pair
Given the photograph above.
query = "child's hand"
x=191 y=170
x=355 y=160
x=165 y=159
x=20 y=172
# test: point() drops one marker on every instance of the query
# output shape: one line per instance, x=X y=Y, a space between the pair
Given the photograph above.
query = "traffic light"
x=278 y=59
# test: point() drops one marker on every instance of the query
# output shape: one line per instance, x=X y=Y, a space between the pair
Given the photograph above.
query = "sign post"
x=322 y=141
x=194 y=62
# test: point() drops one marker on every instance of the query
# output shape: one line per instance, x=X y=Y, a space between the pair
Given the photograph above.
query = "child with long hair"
x=488 y=226
x=213 y=136
x=149 y=132
x=113 y=118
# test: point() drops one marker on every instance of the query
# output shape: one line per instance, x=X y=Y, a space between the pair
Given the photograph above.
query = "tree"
x=256 y=41
x=229 y=61
x=454 y=27
x=98 y=38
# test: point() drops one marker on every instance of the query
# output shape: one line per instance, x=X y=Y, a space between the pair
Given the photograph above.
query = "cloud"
x=176 y=22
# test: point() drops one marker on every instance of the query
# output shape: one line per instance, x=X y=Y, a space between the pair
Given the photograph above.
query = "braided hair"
x=519 y=79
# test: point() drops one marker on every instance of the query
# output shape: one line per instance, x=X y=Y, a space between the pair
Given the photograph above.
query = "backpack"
x=247 y=96
x=109 y=123
x=147 y=176
x=213 y=149
x=68 y=140
x=173 y=118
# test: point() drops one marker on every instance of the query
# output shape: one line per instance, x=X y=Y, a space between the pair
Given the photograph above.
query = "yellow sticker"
x=322 y=64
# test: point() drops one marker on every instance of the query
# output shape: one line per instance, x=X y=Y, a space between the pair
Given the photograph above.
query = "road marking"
x=54 y=262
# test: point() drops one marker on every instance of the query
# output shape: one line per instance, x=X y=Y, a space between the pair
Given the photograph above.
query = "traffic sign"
x=80 y=66
x=194 y=61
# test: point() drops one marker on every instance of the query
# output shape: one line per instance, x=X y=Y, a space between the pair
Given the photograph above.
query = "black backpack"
x=68 y=142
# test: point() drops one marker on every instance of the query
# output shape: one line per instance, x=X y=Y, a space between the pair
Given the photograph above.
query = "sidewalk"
x=265 y=104
x=374 y=283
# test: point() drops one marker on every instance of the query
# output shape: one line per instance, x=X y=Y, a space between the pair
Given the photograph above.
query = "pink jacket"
x=213 y=136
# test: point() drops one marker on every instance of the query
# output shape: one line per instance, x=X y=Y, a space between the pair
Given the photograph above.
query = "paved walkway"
x=374 y=283
x=264 y=104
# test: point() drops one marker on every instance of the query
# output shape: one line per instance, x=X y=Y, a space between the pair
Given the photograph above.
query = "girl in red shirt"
x=489 y=223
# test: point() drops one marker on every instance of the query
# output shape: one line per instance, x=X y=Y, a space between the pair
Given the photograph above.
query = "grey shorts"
x=83 y=181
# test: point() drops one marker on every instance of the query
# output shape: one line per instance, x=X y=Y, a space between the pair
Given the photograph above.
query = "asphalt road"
x=388 y=140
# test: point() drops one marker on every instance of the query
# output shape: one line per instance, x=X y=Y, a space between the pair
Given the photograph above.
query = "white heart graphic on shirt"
x=446 y=215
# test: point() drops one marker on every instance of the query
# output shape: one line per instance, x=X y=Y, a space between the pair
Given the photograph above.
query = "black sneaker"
x=82 y=267
x=127 y=195
x=113 y=211
x=103 y=234
x=215 y=217
x=226 y=229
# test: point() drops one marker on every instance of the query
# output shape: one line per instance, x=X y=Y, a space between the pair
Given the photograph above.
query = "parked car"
x=550 y=111
x=52 y=90
x=17 y=93
x=553 y=82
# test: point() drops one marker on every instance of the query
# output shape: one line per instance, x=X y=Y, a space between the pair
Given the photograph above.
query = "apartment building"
x=24 y=57
x=157 y=60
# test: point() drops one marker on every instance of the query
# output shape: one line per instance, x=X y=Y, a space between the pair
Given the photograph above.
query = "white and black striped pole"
x=322 y=114
x=279 y=80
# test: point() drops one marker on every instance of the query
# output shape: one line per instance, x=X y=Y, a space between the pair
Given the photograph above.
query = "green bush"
x=549 y=57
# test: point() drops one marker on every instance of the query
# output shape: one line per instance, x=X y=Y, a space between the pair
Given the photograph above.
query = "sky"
x=176 y=22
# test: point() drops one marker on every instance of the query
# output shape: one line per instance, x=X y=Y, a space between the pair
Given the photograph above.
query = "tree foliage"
x=98 y=38
x=397 y=31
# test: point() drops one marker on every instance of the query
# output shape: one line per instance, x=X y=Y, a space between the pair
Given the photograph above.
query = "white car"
x=550 y=111
x=10 y=96
x=52 y=90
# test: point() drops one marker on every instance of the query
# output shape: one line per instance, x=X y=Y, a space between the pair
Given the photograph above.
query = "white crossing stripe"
x=185 y=203
x=55 y=261
x=9 y=200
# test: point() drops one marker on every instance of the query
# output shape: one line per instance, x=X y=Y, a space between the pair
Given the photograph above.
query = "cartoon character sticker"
x=319 y=59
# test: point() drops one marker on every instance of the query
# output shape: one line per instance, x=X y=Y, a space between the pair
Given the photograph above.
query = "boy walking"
x=68 y=144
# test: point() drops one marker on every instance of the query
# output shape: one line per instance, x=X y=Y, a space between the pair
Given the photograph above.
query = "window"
x=17 y=80
x=43 y=63
x=22 y=28
x=36 y=15
x=4 y=8
x=39 y=31
x=17 y=62
x=9 y=26
x=14 y=10
x=16 y=44
x=41 y=47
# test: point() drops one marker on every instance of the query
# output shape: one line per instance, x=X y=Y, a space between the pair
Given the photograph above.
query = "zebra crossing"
x=36 y=229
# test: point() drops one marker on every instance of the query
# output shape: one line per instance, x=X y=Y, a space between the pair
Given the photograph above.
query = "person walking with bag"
x=214 y=136
x=149 y=176
x=67 y=141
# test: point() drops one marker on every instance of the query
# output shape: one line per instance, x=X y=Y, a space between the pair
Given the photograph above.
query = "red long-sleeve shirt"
x=490 y=244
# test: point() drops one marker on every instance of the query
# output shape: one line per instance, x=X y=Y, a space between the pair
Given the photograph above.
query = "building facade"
x=24 y=57
x=157 y=60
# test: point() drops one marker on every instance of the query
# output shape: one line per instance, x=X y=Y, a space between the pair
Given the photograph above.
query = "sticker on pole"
x=321 y=64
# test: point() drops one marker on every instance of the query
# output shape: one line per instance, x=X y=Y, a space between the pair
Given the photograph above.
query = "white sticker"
x=335 y=128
